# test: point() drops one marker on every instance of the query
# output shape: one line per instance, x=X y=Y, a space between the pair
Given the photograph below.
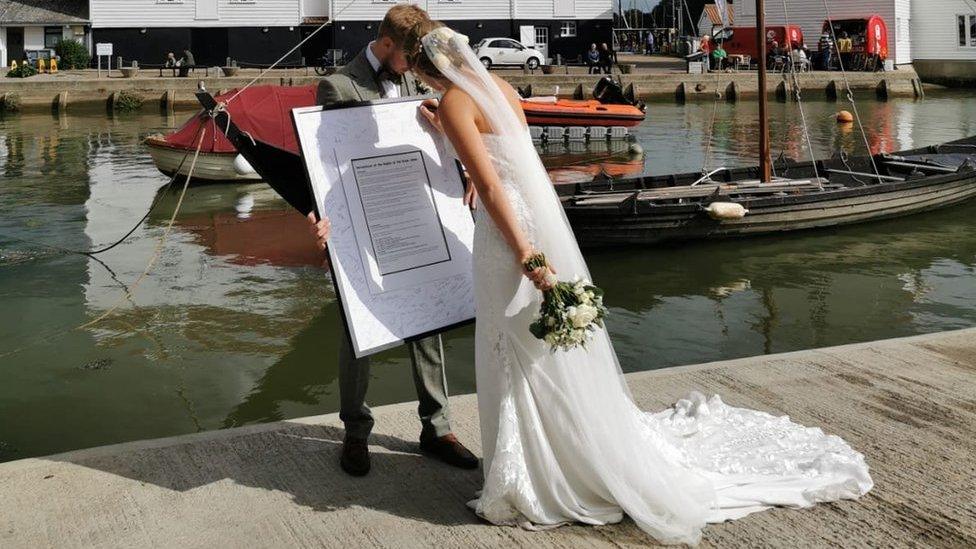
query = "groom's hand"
x=321 y=229
x=429 y=109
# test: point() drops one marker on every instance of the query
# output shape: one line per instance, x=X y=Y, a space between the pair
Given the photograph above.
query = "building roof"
x=711 y=11
x=43 y=12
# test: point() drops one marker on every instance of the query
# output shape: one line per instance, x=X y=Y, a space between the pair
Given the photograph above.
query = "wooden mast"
x=765 y=168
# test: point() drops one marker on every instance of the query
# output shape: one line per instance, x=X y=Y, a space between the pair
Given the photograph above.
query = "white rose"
x=585 y=314
x=440 y=61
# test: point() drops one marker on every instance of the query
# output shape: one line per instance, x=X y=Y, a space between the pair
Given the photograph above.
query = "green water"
x=237 y=323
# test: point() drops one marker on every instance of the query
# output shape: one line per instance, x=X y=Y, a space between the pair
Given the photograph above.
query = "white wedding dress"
x=562 y=439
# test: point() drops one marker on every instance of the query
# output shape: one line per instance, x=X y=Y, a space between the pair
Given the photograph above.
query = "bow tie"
x=387 y=74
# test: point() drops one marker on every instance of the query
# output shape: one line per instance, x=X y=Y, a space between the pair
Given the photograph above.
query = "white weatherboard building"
x=810 y=15
x=29 y=27
x=944 y=41
x=259 y=31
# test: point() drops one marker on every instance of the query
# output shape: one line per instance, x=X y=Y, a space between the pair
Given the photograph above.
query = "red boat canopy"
x=262 y=111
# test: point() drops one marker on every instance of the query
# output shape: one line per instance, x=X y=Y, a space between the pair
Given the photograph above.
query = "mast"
x=765 y=169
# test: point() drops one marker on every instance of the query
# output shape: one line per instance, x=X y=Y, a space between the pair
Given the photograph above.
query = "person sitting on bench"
x=186 y=62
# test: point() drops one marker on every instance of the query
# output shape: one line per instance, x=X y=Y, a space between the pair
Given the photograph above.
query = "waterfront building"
x=810 y=17
x=711 y=19
x=944 y=41
x=259 y=31
x=32 y=27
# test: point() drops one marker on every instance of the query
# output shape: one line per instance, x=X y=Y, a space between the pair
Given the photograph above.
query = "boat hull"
x=210 y=167
x=659 y=224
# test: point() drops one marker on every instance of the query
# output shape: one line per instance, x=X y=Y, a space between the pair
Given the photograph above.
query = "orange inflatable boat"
x=550 y=111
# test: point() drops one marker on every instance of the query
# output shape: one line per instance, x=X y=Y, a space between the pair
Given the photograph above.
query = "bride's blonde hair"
x=413 y=45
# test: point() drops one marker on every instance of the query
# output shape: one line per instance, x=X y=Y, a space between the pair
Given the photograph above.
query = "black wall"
x=210 y=46
x=352 y=36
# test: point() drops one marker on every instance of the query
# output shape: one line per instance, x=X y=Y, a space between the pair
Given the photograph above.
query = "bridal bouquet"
x=570 y=312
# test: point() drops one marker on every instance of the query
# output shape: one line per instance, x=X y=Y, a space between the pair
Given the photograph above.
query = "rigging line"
x=850 y=93
x=799 y=101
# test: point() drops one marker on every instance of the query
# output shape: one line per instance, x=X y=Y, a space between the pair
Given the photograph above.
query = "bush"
x=74 y=54
x=22 y=71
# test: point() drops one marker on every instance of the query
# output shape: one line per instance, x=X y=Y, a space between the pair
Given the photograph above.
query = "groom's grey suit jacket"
x=354 y=82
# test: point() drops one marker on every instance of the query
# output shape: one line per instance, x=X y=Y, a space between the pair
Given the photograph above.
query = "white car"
x=505 y=51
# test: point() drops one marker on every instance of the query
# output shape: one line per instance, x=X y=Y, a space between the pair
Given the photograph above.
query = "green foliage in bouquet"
x=570 y=311
x=74 y=54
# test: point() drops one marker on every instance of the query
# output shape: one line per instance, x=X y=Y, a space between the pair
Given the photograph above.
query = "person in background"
x=774 y=54
x=706 y=47
x=186 y=62
x=719 y=57
x=608 y=58
x=650 y=43
x=592 y=59
x=798 y=58
x=826 y=49
x=844 y=48
x=170 y=61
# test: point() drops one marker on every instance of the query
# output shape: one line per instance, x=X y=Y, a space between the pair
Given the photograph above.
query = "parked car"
x=505 y=51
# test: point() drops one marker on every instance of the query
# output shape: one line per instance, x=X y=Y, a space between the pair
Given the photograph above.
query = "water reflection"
x=237 y=322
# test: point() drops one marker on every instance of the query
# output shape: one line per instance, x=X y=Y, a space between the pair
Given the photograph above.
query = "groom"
x=380 y=71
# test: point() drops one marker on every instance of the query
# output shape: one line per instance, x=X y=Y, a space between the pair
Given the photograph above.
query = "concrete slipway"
x=908 y=404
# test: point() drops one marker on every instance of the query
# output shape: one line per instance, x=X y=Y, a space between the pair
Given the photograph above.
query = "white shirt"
x=389 y=88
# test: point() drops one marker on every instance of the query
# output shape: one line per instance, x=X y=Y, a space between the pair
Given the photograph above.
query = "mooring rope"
x=850 y=93
x=799 y=100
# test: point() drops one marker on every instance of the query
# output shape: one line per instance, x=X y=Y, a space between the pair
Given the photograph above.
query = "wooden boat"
x=650 y=210
x=212 y=166
x=262 y=110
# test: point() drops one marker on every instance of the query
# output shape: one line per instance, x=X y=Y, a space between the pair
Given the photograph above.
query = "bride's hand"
x=542 y=277
x=429 y=109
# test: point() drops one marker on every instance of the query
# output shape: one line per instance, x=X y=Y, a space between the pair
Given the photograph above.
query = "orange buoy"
x=843 y=117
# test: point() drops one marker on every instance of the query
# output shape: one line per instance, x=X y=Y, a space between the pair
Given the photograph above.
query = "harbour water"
x=237 y=323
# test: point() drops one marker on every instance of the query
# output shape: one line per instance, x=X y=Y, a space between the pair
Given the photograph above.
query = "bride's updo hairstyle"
x=431 y=47
x=413 y=45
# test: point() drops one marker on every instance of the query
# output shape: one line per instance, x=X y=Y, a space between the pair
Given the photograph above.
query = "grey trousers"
x=427 y=361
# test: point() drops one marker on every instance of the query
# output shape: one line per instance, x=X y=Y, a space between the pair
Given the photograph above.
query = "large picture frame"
x=401 y=241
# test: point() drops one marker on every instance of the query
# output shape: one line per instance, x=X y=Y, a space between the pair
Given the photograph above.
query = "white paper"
x=402 y=267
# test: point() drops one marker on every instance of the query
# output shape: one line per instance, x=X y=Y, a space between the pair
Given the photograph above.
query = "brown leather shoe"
x=450 y=451
x=355 y=456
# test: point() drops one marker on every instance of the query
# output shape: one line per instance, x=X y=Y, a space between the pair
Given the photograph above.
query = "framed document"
x=401 y=235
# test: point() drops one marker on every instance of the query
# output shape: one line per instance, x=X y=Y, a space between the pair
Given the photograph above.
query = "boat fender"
x=724 y=211
x=242 y=166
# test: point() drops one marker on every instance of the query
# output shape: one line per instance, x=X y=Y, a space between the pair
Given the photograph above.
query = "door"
x=542 y=42
x=15 y=44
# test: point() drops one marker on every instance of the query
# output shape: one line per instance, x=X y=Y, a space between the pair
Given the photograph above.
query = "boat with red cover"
x=262 y=111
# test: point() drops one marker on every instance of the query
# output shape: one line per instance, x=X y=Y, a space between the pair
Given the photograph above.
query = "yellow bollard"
x=40 y=64
x=54 y=66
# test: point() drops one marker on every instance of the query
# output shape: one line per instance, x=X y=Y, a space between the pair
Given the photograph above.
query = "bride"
x=562 y=439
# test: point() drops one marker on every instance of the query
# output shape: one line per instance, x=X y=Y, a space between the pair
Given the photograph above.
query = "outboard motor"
x=610 y=92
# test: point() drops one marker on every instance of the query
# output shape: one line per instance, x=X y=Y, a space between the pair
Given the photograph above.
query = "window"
x=51 y=36
x=567 y=28
x=967 y=33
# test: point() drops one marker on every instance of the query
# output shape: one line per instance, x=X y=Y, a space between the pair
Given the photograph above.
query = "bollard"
x=732 y=92
x=680 y=94
x=782 y=92
x=831 y=90
x=883 y=89
x=168 y=102
x=60 y=103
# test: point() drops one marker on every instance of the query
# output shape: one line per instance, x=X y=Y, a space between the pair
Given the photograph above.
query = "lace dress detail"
x=547 y=463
